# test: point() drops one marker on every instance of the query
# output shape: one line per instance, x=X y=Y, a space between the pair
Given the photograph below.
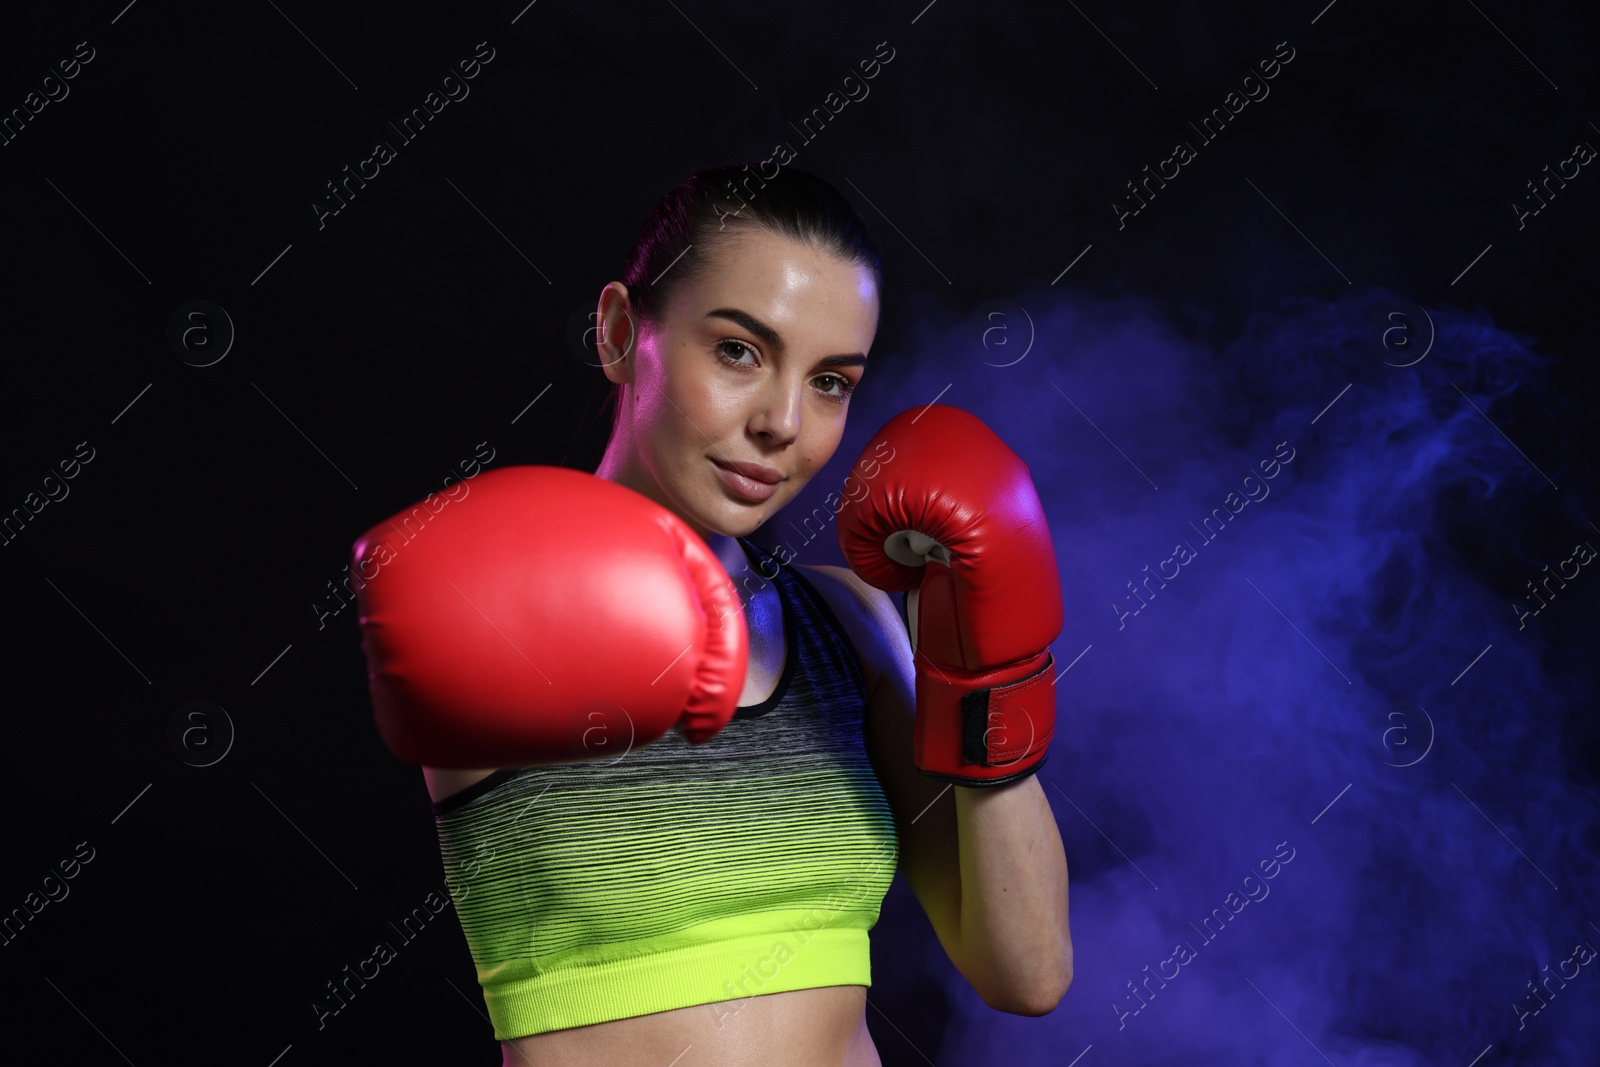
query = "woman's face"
x=751 y=363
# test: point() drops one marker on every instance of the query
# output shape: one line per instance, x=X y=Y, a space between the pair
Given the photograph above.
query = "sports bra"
x=677 y=874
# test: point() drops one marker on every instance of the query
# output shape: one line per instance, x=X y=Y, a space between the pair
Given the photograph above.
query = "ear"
x=616 y=333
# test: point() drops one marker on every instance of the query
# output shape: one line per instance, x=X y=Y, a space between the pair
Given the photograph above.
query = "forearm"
x=1016 y=942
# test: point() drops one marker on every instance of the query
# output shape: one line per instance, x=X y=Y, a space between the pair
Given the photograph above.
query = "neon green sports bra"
x=680 y=875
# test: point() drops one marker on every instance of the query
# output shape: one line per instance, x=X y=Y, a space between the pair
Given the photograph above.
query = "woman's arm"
x=986 y=863
x=1014 y=893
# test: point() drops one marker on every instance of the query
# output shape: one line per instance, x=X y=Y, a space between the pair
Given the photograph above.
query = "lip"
x=756 y=472
x=750 y=481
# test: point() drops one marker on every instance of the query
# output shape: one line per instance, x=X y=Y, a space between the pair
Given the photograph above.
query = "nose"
x=777 y=413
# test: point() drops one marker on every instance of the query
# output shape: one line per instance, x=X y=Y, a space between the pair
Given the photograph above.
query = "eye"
x=844 y=389
x=836 y=386
x=739 y=347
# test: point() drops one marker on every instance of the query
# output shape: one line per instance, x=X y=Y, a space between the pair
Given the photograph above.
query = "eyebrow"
x=775 y=341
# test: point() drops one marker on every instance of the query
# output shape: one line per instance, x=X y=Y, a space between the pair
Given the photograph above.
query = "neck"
x=731 y=555
x=621 y=464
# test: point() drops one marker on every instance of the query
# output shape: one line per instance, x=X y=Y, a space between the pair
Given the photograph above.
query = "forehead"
x=771 y=275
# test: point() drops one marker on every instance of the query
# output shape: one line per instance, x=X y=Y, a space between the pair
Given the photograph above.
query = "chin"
x=739 y=525
x=735 y=520
x=725 y=515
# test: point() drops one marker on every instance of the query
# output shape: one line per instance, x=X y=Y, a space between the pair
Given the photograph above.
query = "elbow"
x=1032 y=1002
x=1038 y=996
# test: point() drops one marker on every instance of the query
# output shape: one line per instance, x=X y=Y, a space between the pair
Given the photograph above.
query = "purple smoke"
x=1337 y=670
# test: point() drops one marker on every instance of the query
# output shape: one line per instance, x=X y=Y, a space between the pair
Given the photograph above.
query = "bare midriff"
x=824 y=1027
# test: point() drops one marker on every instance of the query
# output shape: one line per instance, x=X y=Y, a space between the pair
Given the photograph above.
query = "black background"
x=382 y=347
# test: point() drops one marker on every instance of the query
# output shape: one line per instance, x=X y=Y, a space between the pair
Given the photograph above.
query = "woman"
x=734 y=343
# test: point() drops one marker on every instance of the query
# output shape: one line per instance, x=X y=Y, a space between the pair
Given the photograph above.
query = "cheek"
x=699 y=396
x=820 y=440
x=671 y=403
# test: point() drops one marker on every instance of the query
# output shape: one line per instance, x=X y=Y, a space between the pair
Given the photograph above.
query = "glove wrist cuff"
x=985 y=729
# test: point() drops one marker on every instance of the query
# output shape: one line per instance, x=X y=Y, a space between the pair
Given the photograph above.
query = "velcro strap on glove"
x=979 y=735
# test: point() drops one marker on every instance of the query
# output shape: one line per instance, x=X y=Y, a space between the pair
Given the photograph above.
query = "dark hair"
x=718 y=202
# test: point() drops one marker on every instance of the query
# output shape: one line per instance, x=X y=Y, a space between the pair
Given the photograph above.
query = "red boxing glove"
x=547 y=616
x=953 y=517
